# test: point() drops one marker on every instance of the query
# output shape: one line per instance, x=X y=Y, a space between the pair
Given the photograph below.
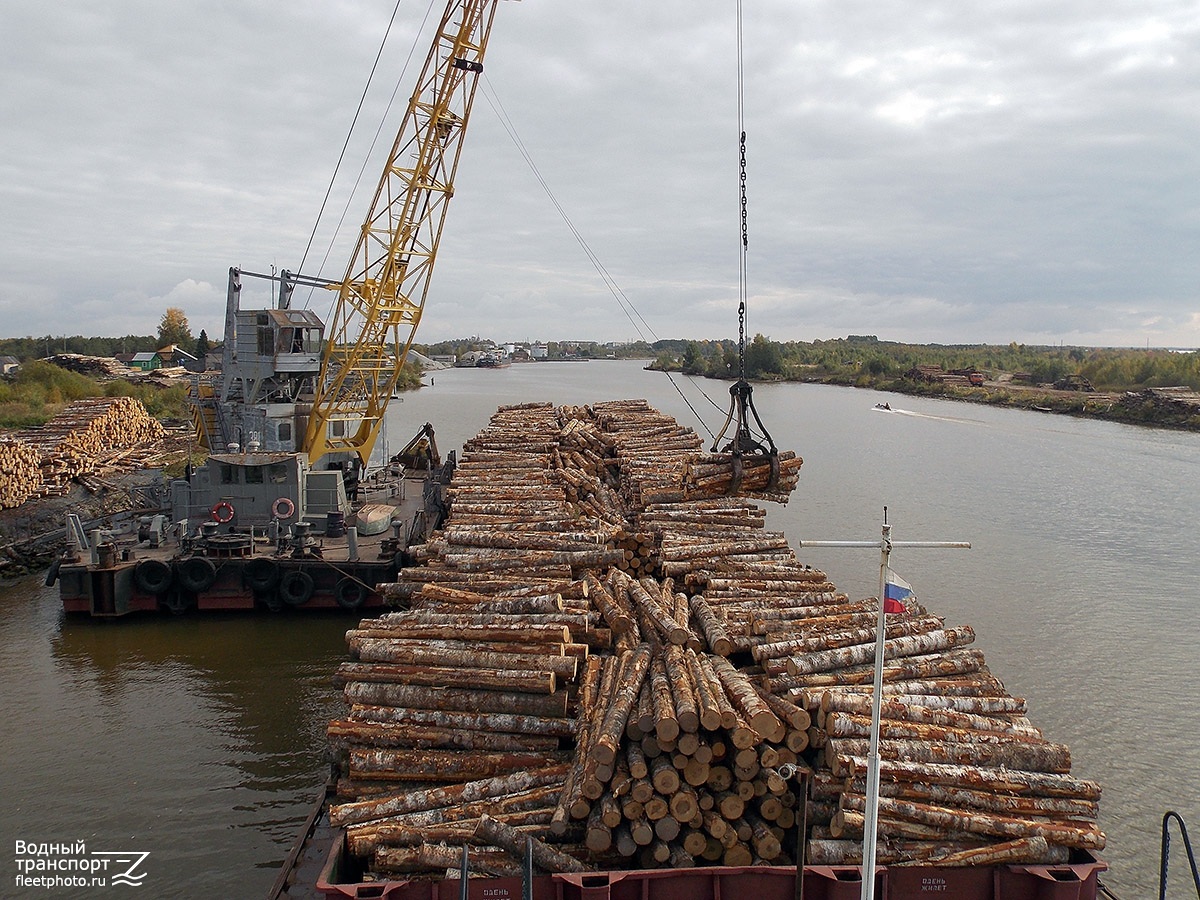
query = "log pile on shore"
x=83 y=438
x=20 y=473
x=636 y=678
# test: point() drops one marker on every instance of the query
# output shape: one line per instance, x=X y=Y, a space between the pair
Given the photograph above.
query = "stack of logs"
x=41 y=462
x=20 y=474
x=966 y=778
x=696 y=706
x=677 y=749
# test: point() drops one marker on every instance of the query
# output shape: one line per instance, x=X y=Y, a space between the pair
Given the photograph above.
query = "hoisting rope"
x=623 y=301
x=370 y=150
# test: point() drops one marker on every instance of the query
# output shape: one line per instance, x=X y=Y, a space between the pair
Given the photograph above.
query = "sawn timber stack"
x=591 y=654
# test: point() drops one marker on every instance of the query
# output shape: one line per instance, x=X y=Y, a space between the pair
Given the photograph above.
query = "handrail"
x=1164 y=856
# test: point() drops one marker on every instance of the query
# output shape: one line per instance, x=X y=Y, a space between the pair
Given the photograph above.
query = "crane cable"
x=627 y=306
x=374 y=140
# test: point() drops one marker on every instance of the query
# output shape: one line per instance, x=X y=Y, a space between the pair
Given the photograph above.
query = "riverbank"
x=1157 y=407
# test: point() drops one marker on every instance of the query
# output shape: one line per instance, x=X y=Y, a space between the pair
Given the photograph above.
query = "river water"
x=200 y=740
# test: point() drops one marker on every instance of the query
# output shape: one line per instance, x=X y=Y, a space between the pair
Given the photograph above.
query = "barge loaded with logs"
x=605 y=677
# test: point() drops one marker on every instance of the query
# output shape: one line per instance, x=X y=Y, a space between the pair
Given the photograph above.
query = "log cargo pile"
x=966 y=779
x=20 y=473
x=85 y=437
x=638 y=679
x=455 y=710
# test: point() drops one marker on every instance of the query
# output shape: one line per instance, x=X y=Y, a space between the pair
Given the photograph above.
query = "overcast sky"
x=922 y=170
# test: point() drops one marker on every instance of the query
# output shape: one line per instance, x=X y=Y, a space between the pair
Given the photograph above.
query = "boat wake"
x=919 y=415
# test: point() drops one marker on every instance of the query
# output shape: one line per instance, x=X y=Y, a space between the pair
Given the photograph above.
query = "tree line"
x=866 y=361
x=173 y=328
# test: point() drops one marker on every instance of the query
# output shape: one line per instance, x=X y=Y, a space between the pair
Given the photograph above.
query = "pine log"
x=1039 y=757
x=544 y=856
x=516 y=681
x=599 y=678
x=708 y=708
x=462 y=699
x=422 y=654
x=604 y=749
x=441 y=765
x=915 y=645
x=841 y=724
x=666 y=725
x=386 y=734
x=988 y=778
x=956 y=662
x=918 y=704
x=1086 y=835
x=1028 y=850
x=616 y=617
x=467 y=721
x=968 y=798
x=745 y=698
x=683 y=693
x=411 y=801
x=480 y=859
x=711 y=626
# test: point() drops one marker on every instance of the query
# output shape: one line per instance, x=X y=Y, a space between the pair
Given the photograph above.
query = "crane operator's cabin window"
x=266 y=340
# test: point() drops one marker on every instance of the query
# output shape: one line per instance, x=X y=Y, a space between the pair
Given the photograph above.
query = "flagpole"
x=871 y=817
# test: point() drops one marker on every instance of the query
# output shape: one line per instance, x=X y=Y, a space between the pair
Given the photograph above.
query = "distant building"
x=174 y=355
x=539 y=351
x=8 y=365
x=147 y=362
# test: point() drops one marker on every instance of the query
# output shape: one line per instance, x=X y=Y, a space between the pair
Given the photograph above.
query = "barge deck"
x=606 y=653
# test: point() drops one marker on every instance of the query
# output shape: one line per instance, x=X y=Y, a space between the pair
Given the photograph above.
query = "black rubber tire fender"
x=261 y=573
x=350 y=593
x=296 y=587
x=153 y=576
x=196 y=573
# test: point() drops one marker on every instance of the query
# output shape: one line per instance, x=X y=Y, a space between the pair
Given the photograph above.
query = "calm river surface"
x=201 y=740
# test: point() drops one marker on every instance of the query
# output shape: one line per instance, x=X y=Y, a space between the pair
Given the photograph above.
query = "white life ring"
x=283 y=508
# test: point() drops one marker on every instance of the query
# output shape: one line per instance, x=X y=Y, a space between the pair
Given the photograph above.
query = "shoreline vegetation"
x=1153 y=387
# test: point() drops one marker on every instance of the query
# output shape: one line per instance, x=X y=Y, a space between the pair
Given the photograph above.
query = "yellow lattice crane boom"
x=381 y=298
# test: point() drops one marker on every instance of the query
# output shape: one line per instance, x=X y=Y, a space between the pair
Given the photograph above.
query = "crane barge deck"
x=256 y=530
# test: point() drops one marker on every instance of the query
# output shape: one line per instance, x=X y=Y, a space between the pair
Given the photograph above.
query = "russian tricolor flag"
x=895 y=591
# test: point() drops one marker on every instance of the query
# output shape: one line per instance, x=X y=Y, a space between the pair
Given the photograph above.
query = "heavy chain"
x=745 y=238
